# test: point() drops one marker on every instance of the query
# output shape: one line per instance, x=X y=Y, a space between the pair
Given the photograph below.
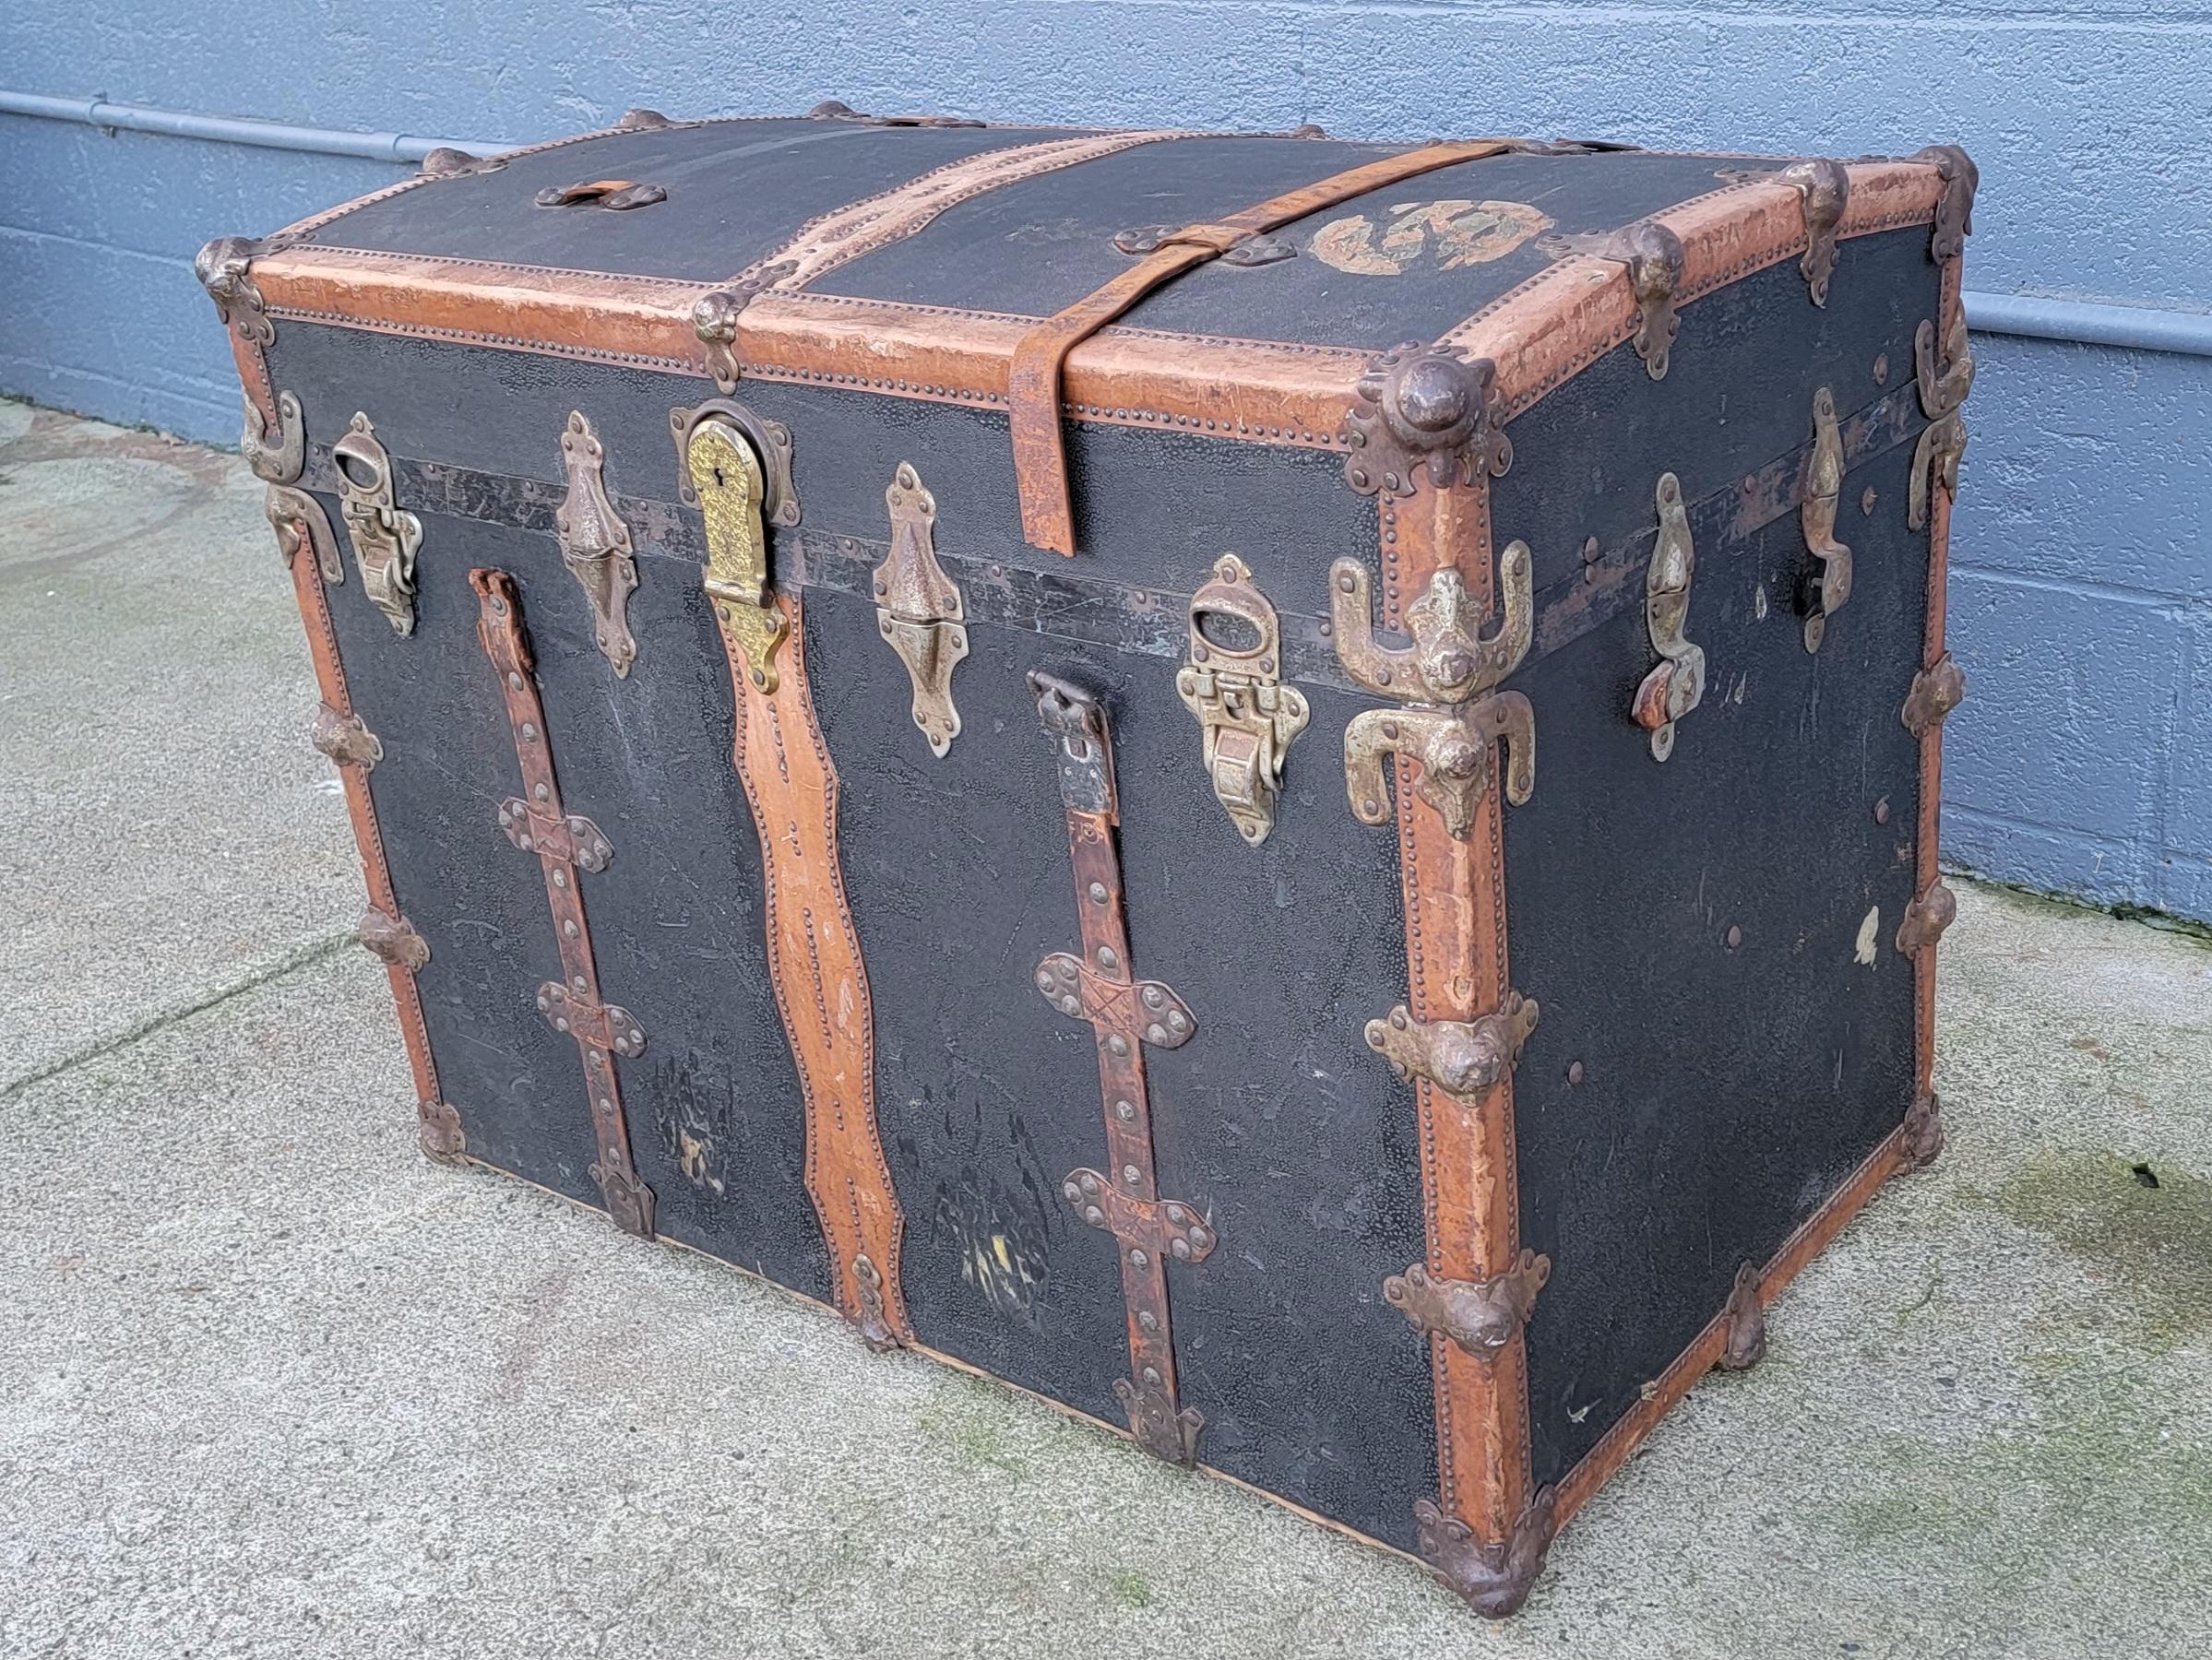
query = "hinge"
x=1935 y=692
x=919 y=610
x=1923 y=1130
x=1247 y=717
x=595 y=543
x=346 y=739
x=1460 y=1057
x=1428 y=407
x=282 y=461
x=1448 y=661
x=1823 y=490
x=384 y=537
x=1653 y=255
x=714 y=319
x=392 y=938
x=1746 y=1344
x=1926 y=917
x=1481 y=1316
x=1943 y=389
x=1677 y=686
x=1493 y=1580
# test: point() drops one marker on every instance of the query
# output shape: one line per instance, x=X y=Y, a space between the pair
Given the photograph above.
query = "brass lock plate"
x=385 y=539
x=725 y=474
x=1232 y=682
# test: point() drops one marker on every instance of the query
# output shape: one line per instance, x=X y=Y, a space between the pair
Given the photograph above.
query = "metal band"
x=601 y=1030
x=304 y=536
x=1033 y=383
x=1125 y=1013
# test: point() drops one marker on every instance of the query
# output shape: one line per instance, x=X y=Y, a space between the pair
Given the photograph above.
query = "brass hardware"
x=1252 y=249
x=918 y=608
x=1481 y=1316
x=385 y=539
x=1653 y=255
x=1460 y=1057
x=1146 y=1008
x=1673 y=688
x=1825 y=188
x=283 y=461
x=1923 y=1130
x=571 y=838
x=1453 y=748
x=771 y=442
x=394 y=939
x=616 y=195
x=1447 y=662
x=438 y=1128
x=1935 y=692
x=1824 y=487
x=1168 y=1434
x=1926 y=917
x=714 y=320
x=1424 y=406
x=446 y=162
x=726 y=477
x=224 y=267
x=597 y=1025
x=1943 y=389
x=1248 y=717
x=595 y=543
x=1493 y=1580
x=1746 y=1344
x=1954 y=207
x=1072 y=716
x=346 y=739
x=289 y=511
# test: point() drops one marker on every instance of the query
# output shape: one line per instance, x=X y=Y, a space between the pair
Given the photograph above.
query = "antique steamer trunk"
x=963 y=718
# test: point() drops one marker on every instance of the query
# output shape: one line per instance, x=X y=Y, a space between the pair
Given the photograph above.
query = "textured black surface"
x=1726 y=1091
x=736 y=191
x=715 y=1125
x=1151 y=506
x=1274 y=1119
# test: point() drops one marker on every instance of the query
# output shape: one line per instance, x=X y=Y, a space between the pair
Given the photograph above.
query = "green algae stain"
x=1130 y=1588
x=972 y=1428
x=2151 y=1244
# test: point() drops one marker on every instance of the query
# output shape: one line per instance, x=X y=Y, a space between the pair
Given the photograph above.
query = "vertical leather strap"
x=1033 y=381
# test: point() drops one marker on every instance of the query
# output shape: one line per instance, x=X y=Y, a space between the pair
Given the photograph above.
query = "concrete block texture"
x=275 y=1386
x=2091 y=120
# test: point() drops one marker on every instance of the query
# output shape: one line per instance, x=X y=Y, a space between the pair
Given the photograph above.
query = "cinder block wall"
x=2081 y=596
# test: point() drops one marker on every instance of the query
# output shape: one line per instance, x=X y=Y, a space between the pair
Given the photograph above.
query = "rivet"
x=542 y=792
x=568 y=927
x=1147 y=1321
x=1107 y=959
x=1124 y=1111
x=1200 y=1239
x=1156 y=1034
x=1390 y=730
x=1097 y=893
x=1152 y=1375
x=1180 y=1250
x=513 y=679
x=561 y=1023
x=1177 y=1021
x=1093 y=1215
x=1132 y=1175
x=1119 y=1046
x=1137 y=1259
x=1072 y=1192
x=1881 y=369
x=1735 y=936
x=1589 y=551
x=1574 y=1072
x=1866 y=502
x=1070 y=1005
x=580 y=983
x=1882 y=811
x=560 y=879
x=1044 y=980
x=529 y=733
x=1154 y=996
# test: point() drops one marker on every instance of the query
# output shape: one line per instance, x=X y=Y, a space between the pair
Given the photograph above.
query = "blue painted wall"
x=2081 y=592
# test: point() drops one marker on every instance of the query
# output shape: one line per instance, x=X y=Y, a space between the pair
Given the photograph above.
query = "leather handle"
x=1041 y=356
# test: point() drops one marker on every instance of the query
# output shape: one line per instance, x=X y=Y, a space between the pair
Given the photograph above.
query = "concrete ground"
x=272 y=1384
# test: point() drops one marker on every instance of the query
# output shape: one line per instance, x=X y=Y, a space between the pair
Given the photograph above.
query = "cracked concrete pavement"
x=275 y=1385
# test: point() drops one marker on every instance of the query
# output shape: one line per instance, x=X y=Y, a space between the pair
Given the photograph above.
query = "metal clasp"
x=1943 y=442
x=595 y=543
x=918 y=608
x=1676 y=687
x=1447 y=662
x=1459 y=1057
x=1453 y=748
x=1824 y=488
x=385 y=539
x=1235 y=689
